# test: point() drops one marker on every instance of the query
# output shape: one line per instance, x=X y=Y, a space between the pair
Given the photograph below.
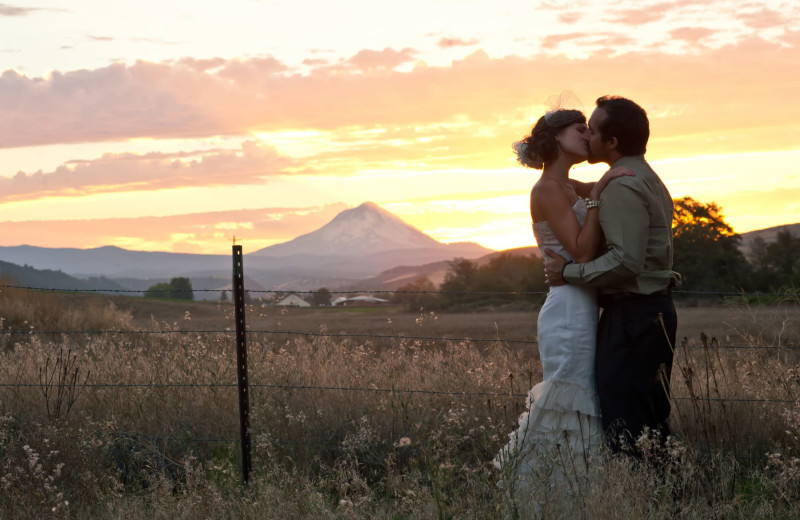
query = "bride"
x=562 y=426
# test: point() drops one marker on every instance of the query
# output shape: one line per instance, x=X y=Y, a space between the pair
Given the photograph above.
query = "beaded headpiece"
x=562 y=110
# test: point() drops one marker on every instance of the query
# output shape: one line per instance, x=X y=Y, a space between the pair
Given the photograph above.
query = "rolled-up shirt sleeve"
x=625 y=221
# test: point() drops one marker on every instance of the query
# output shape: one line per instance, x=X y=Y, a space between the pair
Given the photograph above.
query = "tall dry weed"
x=26 y=310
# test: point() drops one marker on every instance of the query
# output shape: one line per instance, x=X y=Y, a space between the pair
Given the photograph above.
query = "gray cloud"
x=14 y=10
x=11 y=10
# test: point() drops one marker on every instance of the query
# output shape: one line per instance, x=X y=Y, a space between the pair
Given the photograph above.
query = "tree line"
x=179 y=288
x=706 y=253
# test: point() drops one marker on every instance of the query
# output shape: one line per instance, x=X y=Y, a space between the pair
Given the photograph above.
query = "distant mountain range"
x=28 y=276
x=361 y=248
x=358 y=243
x=767 y=235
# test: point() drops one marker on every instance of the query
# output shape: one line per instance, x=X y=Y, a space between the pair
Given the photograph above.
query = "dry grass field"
x=734 y=323
x=371 y=415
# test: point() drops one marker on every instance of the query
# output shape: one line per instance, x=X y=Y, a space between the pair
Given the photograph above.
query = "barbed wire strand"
x=278 y=292
x=272 y=332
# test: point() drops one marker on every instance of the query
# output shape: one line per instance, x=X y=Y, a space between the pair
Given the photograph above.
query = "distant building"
x=358 y=300
x=339 y=301
x=293 y=301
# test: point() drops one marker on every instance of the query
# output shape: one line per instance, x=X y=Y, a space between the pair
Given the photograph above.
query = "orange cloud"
x=765 y=18
x=691 y=34
x=130 y=172
x=701 y=102
x=570 y=17
x=447 y=43
x=387 y=59
x=315 y=62
x=642 y=14
x=601 y=42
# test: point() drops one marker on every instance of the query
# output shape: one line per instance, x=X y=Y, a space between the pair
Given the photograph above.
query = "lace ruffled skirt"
x=562 y=427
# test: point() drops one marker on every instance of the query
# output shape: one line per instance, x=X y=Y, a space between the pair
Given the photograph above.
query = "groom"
x=634 y=277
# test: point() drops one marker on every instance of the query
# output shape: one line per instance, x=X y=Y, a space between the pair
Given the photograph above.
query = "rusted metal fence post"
x=241 y=361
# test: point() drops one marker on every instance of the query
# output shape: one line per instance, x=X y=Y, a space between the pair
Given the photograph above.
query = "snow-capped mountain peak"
x=366 y=229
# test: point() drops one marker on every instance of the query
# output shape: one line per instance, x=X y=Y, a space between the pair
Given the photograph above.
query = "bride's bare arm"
x=582 y=243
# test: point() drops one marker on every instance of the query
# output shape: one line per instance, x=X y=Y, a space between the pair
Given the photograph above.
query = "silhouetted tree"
x=178 y=288
x=421 y=293
x=503 y=279
x=460 y=280
x=159 y=290
x=777 y=264
x=706 y=249
x=181 y=288
x=321 y=298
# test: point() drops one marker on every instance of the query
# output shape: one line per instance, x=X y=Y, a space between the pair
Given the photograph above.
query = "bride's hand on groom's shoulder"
x=619 y=171
x=610 y=175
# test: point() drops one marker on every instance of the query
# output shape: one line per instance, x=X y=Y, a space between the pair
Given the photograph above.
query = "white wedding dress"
x=562 y=427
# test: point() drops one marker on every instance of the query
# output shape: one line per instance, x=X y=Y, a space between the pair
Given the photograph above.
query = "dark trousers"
x=636 y=336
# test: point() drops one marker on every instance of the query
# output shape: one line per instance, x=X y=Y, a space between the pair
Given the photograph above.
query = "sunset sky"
x=174 y=125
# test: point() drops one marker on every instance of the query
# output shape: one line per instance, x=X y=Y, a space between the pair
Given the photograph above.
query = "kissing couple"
x=607 y=327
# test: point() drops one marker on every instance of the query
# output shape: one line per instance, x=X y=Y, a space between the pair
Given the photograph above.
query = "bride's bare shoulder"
x=547 y=190
x=546 y=186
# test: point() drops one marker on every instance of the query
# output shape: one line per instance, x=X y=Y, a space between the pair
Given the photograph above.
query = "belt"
x=613 y=297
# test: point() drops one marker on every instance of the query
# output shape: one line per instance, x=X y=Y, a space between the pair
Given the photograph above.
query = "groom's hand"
x=553 y=264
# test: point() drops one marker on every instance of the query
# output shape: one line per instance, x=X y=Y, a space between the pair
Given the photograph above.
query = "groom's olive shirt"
x=636 y=217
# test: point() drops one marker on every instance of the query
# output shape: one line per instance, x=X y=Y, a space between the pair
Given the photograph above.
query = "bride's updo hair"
x=541 y=146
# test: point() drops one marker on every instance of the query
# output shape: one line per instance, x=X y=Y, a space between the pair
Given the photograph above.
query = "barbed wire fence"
x=240 y=332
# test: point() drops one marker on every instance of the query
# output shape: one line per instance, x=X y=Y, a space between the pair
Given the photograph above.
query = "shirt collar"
x=627 y=160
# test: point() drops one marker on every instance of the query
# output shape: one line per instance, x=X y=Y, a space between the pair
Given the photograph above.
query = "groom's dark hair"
x=626 y=121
